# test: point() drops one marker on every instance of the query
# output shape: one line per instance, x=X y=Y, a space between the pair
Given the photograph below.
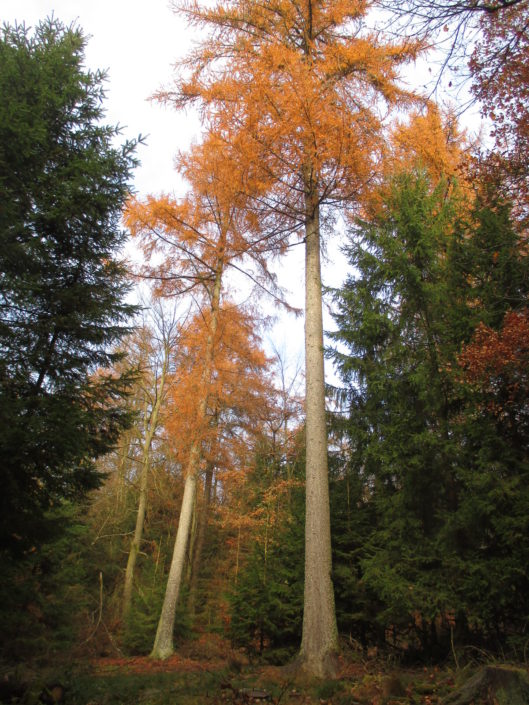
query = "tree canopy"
x=435 y=418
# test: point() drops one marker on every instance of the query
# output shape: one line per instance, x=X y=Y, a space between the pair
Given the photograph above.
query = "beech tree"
x=301 y=85
x=64 y=180
x=499 y=66
x=495 y=362
x=156 y=348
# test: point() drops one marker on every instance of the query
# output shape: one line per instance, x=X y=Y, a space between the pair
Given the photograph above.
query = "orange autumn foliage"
x=186 y=240
x=189 y=243
x=237 y=393
x=431 y=140
x=500 y=68
x=296 y=90
x=497 y=363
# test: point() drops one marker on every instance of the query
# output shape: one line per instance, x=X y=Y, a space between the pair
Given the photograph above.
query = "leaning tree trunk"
x=150 y=424
x=138 y=533
x=199 y=543
x=319 y=644
x=163 y=643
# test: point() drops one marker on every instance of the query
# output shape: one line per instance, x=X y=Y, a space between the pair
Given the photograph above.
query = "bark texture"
x=319 y=645
x=163 y=643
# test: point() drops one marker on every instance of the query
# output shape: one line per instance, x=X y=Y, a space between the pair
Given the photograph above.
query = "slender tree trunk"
x=190 y=550
x=138 y=534
x=319 y=645
x=199 y=542
x=163 y=643
x=150 y=425
x=125 y=447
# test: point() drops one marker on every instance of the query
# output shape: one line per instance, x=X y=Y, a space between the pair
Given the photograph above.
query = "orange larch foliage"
x=237 y=394
x=185 y=241
x=430 y=140
x=189 y=244
x=432 y=143
x=297 y=90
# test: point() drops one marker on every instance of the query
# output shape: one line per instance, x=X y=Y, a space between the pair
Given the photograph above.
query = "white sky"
x=137 y=42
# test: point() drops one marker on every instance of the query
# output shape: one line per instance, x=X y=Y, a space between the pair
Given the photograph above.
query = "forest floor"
x=185 y=681
x=210 y=673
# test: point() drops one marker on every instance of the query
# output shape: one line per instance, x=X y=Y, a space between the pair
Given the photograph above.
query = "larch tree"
x=299 y=90
x=197 y=239
x=237 y=402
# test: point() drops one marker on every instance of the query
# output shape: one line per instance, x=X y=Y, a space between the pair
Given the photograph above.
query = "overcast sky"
x=137 y=41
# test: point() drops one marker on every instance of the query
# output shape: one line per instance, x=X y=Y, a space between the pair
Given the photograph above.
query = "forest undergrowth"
x=206 y=670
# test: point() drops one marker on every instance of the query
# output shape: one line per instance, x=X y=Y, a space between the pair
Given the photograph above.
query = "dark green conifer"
x=445 y=485
x=266 y=600
x=63 y=182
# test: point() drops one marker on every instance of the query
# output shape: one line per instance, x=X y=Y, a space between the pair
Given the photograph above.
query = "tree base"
x=161 y=653
x=323 y=666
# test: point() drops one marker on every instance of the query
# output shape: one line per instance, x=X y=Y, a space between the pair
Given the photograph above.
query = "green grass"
x=144 y=689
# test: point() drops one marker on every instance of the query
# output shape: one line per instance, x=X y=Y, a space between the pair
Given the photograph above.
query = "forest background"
x=427 y=427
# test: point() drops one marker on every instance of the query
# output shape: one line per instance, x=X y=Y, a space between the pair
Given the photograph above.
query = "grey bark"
x=163 y=643
x=319 y=645
x=138 y=530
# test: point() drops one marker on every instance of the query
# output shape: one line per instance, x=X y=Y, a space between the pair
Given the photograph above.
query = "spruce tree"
x=63 y=181
x=442 y=484
x=266 y=599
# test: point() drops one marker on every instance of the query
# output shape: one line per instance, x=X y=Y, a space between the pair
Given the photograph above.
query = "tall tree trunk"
x=199 y=542
x=319 y=645
x=150 y=425
x=163 y=643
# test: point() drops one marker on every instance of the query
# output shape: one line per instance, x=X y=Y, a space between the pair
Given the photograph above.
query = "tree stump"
x=493 y=685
